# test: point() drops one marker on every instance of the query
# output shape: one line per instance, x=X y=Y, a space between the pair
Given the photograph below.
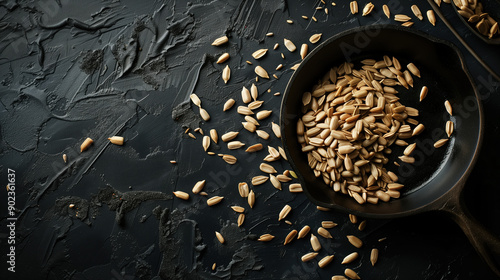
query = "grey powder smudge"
x=92 y=61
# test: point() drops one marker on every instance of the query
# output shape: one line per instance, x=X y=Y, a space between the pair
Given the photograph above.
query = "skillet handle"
x=486 y=244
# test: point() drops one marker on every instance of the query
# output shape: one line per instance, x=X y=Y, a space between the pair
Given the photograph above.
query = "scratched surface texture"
x=76 y=69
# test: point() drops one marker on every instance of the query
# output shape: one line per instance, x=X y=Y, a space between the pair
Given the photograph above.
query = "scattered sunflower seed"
x=303 y=232
x=259 y=53
x=276 y=129
x=431 y=17
x=351 y=273
x=259 y=180
x=241 y=219
x=448 y=108
x=289 y=45
x=198 y=186
x=374 y=256
x=416 y=11
x=356 y=242
x=226 y=74
x=214 y=200
x=368 y=9
x=219 y=237
x=439 y=143
x=214 y=135
x=181 y=195
x=325 y=261
x=315 y=38
x=229 y=159
x=117 y=140
x=350 y=258
x=401 y=18
x=284 y=212
x=309 y=256
x=204 y=114
x=295 y=188
x=266 y=168
x=238 y=209
x=262 y=134
x=261 y=72
x=223 y=58
x=449 y=128
x=206 y=143
x=290 y=236
x=251 y=199
x=387 y=12
x=316 y=246
x=86 y=144
x=303 y=50
x=325 y=233
x=354 y=7
x=243 y=189
x=254 y=148
x=220 y=41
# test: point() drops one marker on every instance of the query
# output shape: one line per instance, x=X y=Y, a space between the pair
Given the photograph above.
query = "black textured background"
x=76 y=69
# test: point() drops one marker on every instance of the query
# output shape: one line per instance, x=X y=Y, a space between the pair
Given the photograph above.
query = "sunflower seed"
x=276 y=129
x=449 y=128
x=243 y=110
x=275 y=182
x=284 y=212
x=387 y=12
x=195 y=99
x=117 y=140
x=220 y=41
x=325 y=261
x=259 y=180
x=181 y=195
x=264 y=167
x=282 y=153
x=448 y=108
x=309 y=256
x=354 y=7
x=295 y=188
x=259 y=53
x=356 y=242
x=198 y=186
x=315 y=38
x=439 y=143
x=255 y=104
x=249 y=126
x=368 y=9
x=214 y=200
x=263 y=114
x=328 y=224
x=254 y=148
x=401 y=18
x=339 y=277
x=226 y=74
x=289 y=45
x=238 y=209
x=290 y=236
x=261 y=72
x=362 y=225
x=65 y=158
x=214 y=266
x=408 y=150
x=431 y=17
x=303 y=50
x=223 y=58
x=229 y=103
x=262 y=134
x=254 y=92
x=316 y=246
x=241 y=219
x=289 y=21
x=350 y=258
x=423 y=93
x=245 y=95
x=266 y=237
x=407 y=159
x=229 y=159
x=243 y=189
x=303 y=232
x=233 y=145
x=416 y=11
x=418 y=129
x=270 y=34
x=438 y=2
x=351 y=273
x=204 y=114
x=219 y=237
x=214 y=135
x=86 y=144
x=325 y=233
x=374 y=256
x=229 y=136
x=251 y=199
x=206 y=142
x=283 y=178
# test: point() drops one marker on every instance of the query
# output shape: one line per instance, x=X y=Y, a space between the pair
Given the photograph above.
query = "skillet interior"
x=436 y=171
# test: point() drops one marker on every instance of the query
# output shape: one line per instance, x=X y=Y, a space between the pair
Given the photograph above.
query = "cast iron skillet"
x=436 y=180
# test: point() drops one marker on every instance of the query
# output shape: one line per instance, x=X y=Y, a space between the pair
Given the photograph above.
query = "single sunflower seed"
x=219 y=237
x=243 y=189
x=259 y=180
x=259 y=53
x=324 y=233
x=386 y=10
x=223 y=58
x=226 y=74
x=204 y=114
x=303 y=232
x=374 y=256
x=229 y=159
x=238 y=209
x=198 y=186
x=401 y=18
x=233 y=145
x=86 y=144
x=295 y=188
x=328 y=224
x=261 y=72
x=325 y=261
x=303 y=50
x=439 y=143
x=416 y=11
x=117 y=140
x=228 y=136
x=290 y=236
x=431 y=17
x=354 y=7
x=255 y=104
x=276 y=129
x=350 y=258
x=316 y=246
x=214 y=200
x=262 y=134
x=241 y=219
x=254 y=148
x=181 y=195
x=266 y=237
x=220 y=41
x=289 y=45
x=206 y=142
x=449 y=128
x=368 y=9
x=284 y=212
x=249 y=126
x=423 y=92
x=315 y=38
x=251 y=199
x=275 y=182
x=263 y=114
x=214 y=135
x=351 y=274
x=309 y=256
x=244 y=110
x=448 y=108
x=264 y=167
x=355 y=241
x=229 y=104
x=245 y=95
x=254 y=92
